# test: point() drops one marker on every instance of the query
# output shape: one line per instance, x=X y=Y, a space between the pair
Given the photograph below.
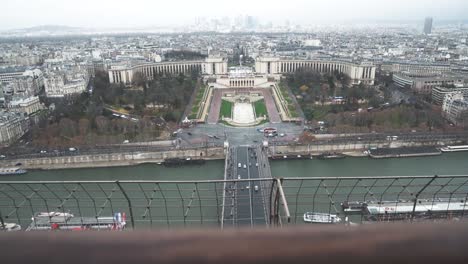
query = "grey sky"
x=130 y=13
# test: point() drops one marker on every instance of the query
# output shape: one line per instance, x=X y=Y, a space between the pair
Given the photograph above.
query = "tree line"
x=86 y=119
x=313 y=90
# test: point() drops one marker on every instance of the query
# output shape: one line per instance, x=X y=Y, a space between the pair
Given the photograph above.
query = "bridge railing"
x=377 y=199
x=179 y=204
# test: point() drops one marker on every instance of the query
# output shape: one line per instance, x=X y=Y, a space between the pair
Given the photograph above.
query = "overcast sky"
x=131 y=13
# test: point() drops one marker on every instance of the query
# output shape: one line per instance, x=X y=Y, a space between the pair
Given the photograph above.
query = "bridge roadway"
x=246 y=203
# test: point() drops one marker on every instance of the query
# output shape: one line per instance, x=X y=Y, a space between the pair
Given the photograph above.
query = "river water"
x=199 y=204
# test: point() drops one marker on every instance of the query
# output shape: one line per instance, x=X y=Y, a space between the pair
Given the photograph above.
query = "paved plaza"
x=213 y=116
x=243 y=113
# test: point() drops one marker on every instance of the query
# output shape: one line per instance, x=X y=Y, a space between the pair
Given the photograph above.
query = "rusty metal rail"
x=397 y=243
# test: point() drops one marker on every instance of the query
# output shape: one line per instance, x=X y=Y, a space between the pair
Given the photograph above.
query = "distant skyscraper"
x=428 y=25
x=251 y=22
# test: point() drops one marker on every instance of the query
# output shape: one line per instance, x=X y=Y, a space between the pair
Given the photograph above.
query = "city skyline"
x=142 y=13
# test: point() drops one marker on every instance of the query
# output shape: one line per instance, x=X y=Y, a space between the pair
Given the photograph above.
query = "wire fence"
x=175 y=204
x=372 y=199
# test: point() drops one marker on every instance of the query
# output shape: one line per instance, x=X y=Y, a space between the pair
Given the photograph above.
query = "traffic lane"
x=258 y=197
x=258 y=204
x=87 y=150
x=230 y=191
x=233 y=199
x=243 y=193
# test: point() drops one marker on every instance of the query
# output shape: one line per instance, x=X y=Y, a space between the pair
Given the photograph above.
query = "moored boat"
x=9 y=227
x=328 y=155
x=52 y=214
x=437 y=208
x=12 y=171
x=321 y=218
x=174 y=162
x=67 y=221
x=454 y=148
x=353 y=207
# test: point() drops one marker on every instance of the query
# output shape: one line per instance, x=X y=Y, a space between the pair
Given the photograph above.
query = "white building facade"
x=124 y=73
x=423 y=83
x=27 y=105
x=455 y=108
x=12 y=127
x=439 y=93
x=58 y=85
x=415 y=68
x=241 y=77
x=363 y=72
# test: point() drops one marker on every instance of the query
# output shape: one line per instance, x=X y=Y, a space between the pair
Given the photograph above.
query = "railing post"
x=130 y=208
x=419 y=192
x=275 y=203
x=283 y=199
x=273 y=212
x=2 y=223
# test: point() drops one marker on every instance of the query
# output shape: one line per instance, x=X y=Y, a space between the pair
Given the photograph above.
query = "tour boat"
x=454 y=148
x=437 y=208
x=67 y=221
x=9 y=227
x=331 y=156
x=12 y=171
x=353 y=207
x=52 y=214
x=321 y=218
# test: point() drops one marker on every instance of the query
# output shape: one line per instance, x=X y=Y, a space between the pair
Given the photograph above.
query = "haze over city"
x=259 y=116
x=143 y=13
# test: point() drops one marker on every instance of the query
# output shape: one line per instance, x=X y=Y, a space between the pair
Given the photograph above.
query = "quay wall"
x=113 y=159
x=213 y=153
x=353 y=148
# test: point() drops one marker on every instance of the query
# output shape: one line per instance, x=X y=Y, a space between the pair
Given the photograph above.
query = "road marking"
x=250 y=188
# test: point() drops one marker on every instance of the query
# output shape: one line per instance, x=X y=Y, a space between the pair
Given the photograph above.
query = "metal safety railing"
x=377 y=199
x=280 y=202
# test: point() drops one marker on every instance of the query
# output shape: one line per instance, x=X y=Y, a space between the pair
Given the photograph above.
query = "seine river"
x=159 y=205
x=446 y=164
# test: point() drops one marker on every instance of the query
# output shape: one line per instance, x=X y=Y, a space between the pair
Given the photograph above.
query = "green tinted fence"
x=282 y=201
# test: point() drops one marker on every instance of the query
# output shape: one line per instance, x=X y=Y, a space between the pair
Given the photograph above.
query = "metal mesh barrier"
x=280 y=202
x=377 y=199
